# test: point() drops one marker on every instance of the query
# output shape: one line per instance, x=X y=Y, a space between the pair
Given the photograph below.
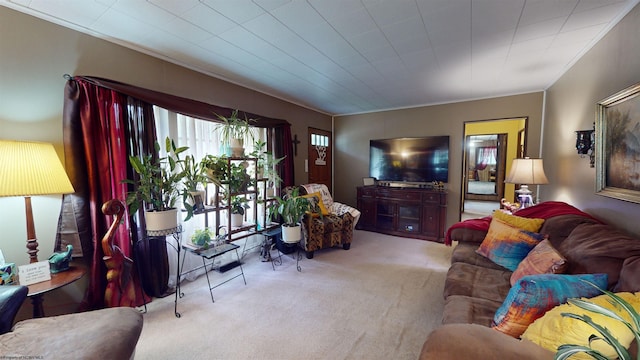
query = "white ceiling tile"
x=536 y=11
x=175 y=7
x=236 y=10
x=350 y=24
x=208 y=19
x=271 y=4
x=538 y=30
x=592 y=4
x=493 y=16
x=79 y=12
x=389 y=12
x=596 y=16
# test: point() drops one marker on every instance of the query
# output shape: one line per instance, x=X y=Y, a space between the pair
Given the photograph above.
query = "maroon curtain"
x=98 y=137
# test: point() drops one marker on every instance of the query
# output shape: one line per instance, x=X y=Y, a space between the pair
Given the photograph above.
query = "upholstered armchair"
x=333 y=228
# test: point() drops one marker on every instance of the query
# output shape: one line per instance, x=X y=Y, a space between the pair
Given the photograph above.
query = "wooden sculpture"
x=120 y=289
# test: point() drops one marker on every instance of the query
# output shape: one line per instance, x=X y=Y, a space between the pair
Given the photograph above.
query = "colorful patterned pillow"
x=528 y=224
x=534 y=295
x=543 y=259
x=507 y=245
x=553 y=329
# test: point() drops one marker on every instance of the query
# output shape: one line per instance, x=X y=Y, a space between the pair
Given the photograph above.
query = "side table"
x=58 y=280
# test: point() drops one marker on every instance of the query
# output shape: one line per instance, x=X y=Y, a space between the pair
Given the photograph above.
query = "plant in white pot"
x=237 y=209
x=291 y=207
x=194 y=182
x=159 y=186
x=233 y=130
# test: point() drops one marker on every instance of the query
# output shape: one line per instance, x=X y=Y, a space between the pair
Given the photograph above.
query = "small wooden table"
x=37 y=290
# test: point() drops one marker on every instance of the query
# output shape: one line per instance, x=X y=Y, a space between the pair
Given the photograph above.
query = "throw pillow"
x=528 y=224
x=543 y=259
x=318 y=200
x=534 y=295
x=507 y=245
x=553 y=329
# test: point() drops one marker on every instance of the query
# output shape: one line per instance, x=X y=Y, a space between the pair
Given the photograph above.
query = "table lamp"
x=526 y=172
x=28 y=169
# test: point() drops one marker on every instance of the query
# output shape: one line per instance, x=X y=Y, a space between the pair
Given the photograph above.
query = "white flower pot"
x=161 y=220
x=291 y=234
x=236 y=220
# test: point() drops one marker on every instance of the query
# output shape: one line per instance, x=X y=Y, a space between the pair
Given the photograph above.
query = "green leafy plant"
x=266 y=162
x=194 y=177
x=238 y=205
x=194 y=174
x=567 y=350
x=159 y=179
x=215 y=168
x=202 y=237
x=238 y=179
x=234 y=127
x=291 y=207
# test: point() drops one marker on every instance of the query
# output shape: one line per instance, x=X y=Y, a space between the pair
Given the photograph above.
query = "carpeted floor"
x=378 y=300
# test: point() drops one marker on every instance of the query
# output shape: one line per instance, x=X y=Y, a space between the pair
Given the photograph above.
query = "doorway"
x=489 y=148
x=320 y=157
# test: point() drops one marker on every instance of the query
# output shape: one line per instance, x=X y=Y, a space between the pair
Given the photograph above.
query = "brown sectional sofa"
x=475 y=287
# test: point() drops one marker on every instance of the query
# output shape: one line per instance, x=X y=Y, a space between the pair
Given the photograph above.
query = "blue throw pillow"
x=533 y=295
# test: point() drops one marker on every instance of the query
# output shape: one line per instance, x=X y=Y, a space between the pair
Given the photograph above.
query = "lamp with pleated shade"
x=28 y=169
x=526 y=172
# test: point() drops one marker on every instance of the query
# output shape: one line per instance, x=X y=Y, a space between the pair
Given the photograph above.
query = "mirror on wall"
x=485 y=166
x=489 y=148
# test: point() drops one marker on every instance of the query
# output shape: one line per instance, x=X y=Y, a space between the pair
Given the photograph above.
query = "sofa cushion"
x=523 y=223
x=469 y=341
x=553 y=329
x=534 y=295
x=543 y=259
x=629 y=279
x=507 y=245
x=475 y=281
x=466 y=253
x=599 y=248
x=559 y=227
x=110 y=333
x=460 y=309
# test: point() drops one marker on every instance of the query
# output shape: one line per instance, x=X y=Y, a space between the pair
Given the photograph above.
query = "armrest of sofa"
x=472 y=341
x=11 y=298
x=341 y=209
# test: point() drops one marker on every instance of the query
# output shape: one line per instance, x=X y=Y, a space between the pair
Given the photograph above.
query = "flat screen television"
x=418 y=160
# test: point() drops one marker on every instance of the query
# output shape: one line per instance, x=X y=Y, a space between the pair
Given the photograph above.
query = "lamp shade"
x=527 y=171
x=31 y=168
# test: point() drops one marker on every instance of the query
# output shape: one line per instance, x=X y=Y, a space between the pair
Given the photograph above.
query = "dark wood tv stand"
x=409 y=212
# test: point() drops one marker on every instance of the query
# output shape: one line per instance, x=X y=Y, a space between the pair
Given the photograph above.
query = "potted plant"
x=291 y=208
x=266 y=166
x=215 y=168
x=233 y=130
x=159 y=186
x=237 y=209
x=194 y=182
x=239 y=179
x=202 y=238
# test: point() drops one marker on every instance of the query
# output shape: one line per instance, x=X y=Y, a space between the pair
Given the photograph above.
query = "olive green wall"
x=613 y=64
x=353 y=132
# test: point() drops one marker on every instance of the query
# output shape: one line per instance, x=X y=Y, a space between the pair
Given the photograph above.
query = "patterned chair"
x=333 y=228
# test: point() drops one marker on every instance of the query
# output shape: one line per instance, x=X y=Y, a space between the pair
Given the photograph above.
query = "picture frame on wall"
x=618 y=145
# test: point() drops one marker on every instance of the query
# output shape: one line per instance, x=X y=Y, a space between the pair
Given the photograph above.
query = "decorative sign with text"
x=34 y=273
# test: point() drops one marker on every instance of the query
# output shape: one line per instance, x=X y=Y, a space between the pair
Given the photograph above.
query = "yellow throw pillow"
x=553 y=329
x=318 y=197
x=528 y=224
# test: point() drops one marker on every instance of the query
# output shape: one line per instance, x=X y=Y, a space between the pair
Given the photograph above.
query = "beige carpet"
x=378 y=300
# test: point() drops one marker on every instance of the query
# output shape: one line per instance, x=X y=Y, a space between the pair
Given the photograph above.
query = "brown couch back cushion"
x=599 y=248
x=559 y=227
